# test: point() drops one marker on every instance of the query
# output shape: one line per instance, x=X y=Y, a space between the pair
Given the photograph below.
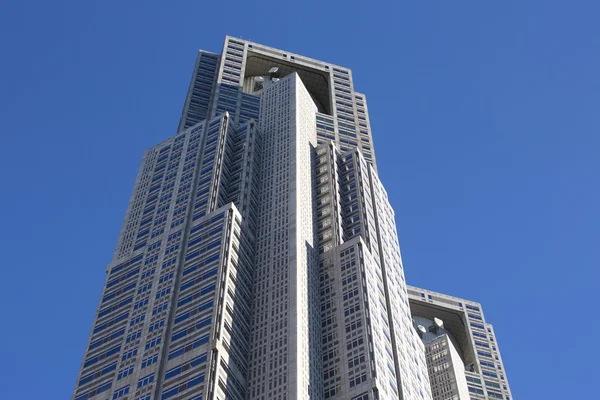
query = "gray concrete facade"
x=259 y=258
x=473 y=337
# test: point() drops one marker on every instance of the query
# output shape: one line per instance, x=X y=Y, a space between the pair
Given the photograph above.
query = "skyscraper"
x=444 y=363
x=455 y=331
x=259 y=257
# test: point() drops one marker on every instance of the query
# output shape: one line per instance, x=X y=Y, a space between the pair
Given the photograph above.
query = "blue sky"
x=486 y=128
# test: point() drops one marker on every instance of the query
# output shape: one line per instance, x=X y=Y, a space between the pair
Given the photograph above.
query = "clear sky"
x=486 y=124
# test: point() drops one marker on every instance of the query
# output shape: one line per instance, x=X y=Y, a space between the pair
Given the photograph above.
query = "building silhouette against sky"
x=259 y=257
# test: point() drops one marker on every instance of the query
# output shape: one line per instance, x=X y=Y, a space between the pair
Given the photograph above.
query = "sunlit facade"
x=259 y=257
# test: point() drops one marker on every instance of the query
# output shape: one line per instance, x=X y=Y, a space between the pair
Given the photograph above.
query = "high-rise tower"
x=229 y=82
x=462 y=349
x=258 y=258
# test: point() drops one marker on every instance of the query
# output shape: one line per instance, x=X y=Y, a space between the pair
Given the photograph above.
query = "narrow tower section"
x=409 y=351
x=198 y=99
x=286 y=360
x=364 y=307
